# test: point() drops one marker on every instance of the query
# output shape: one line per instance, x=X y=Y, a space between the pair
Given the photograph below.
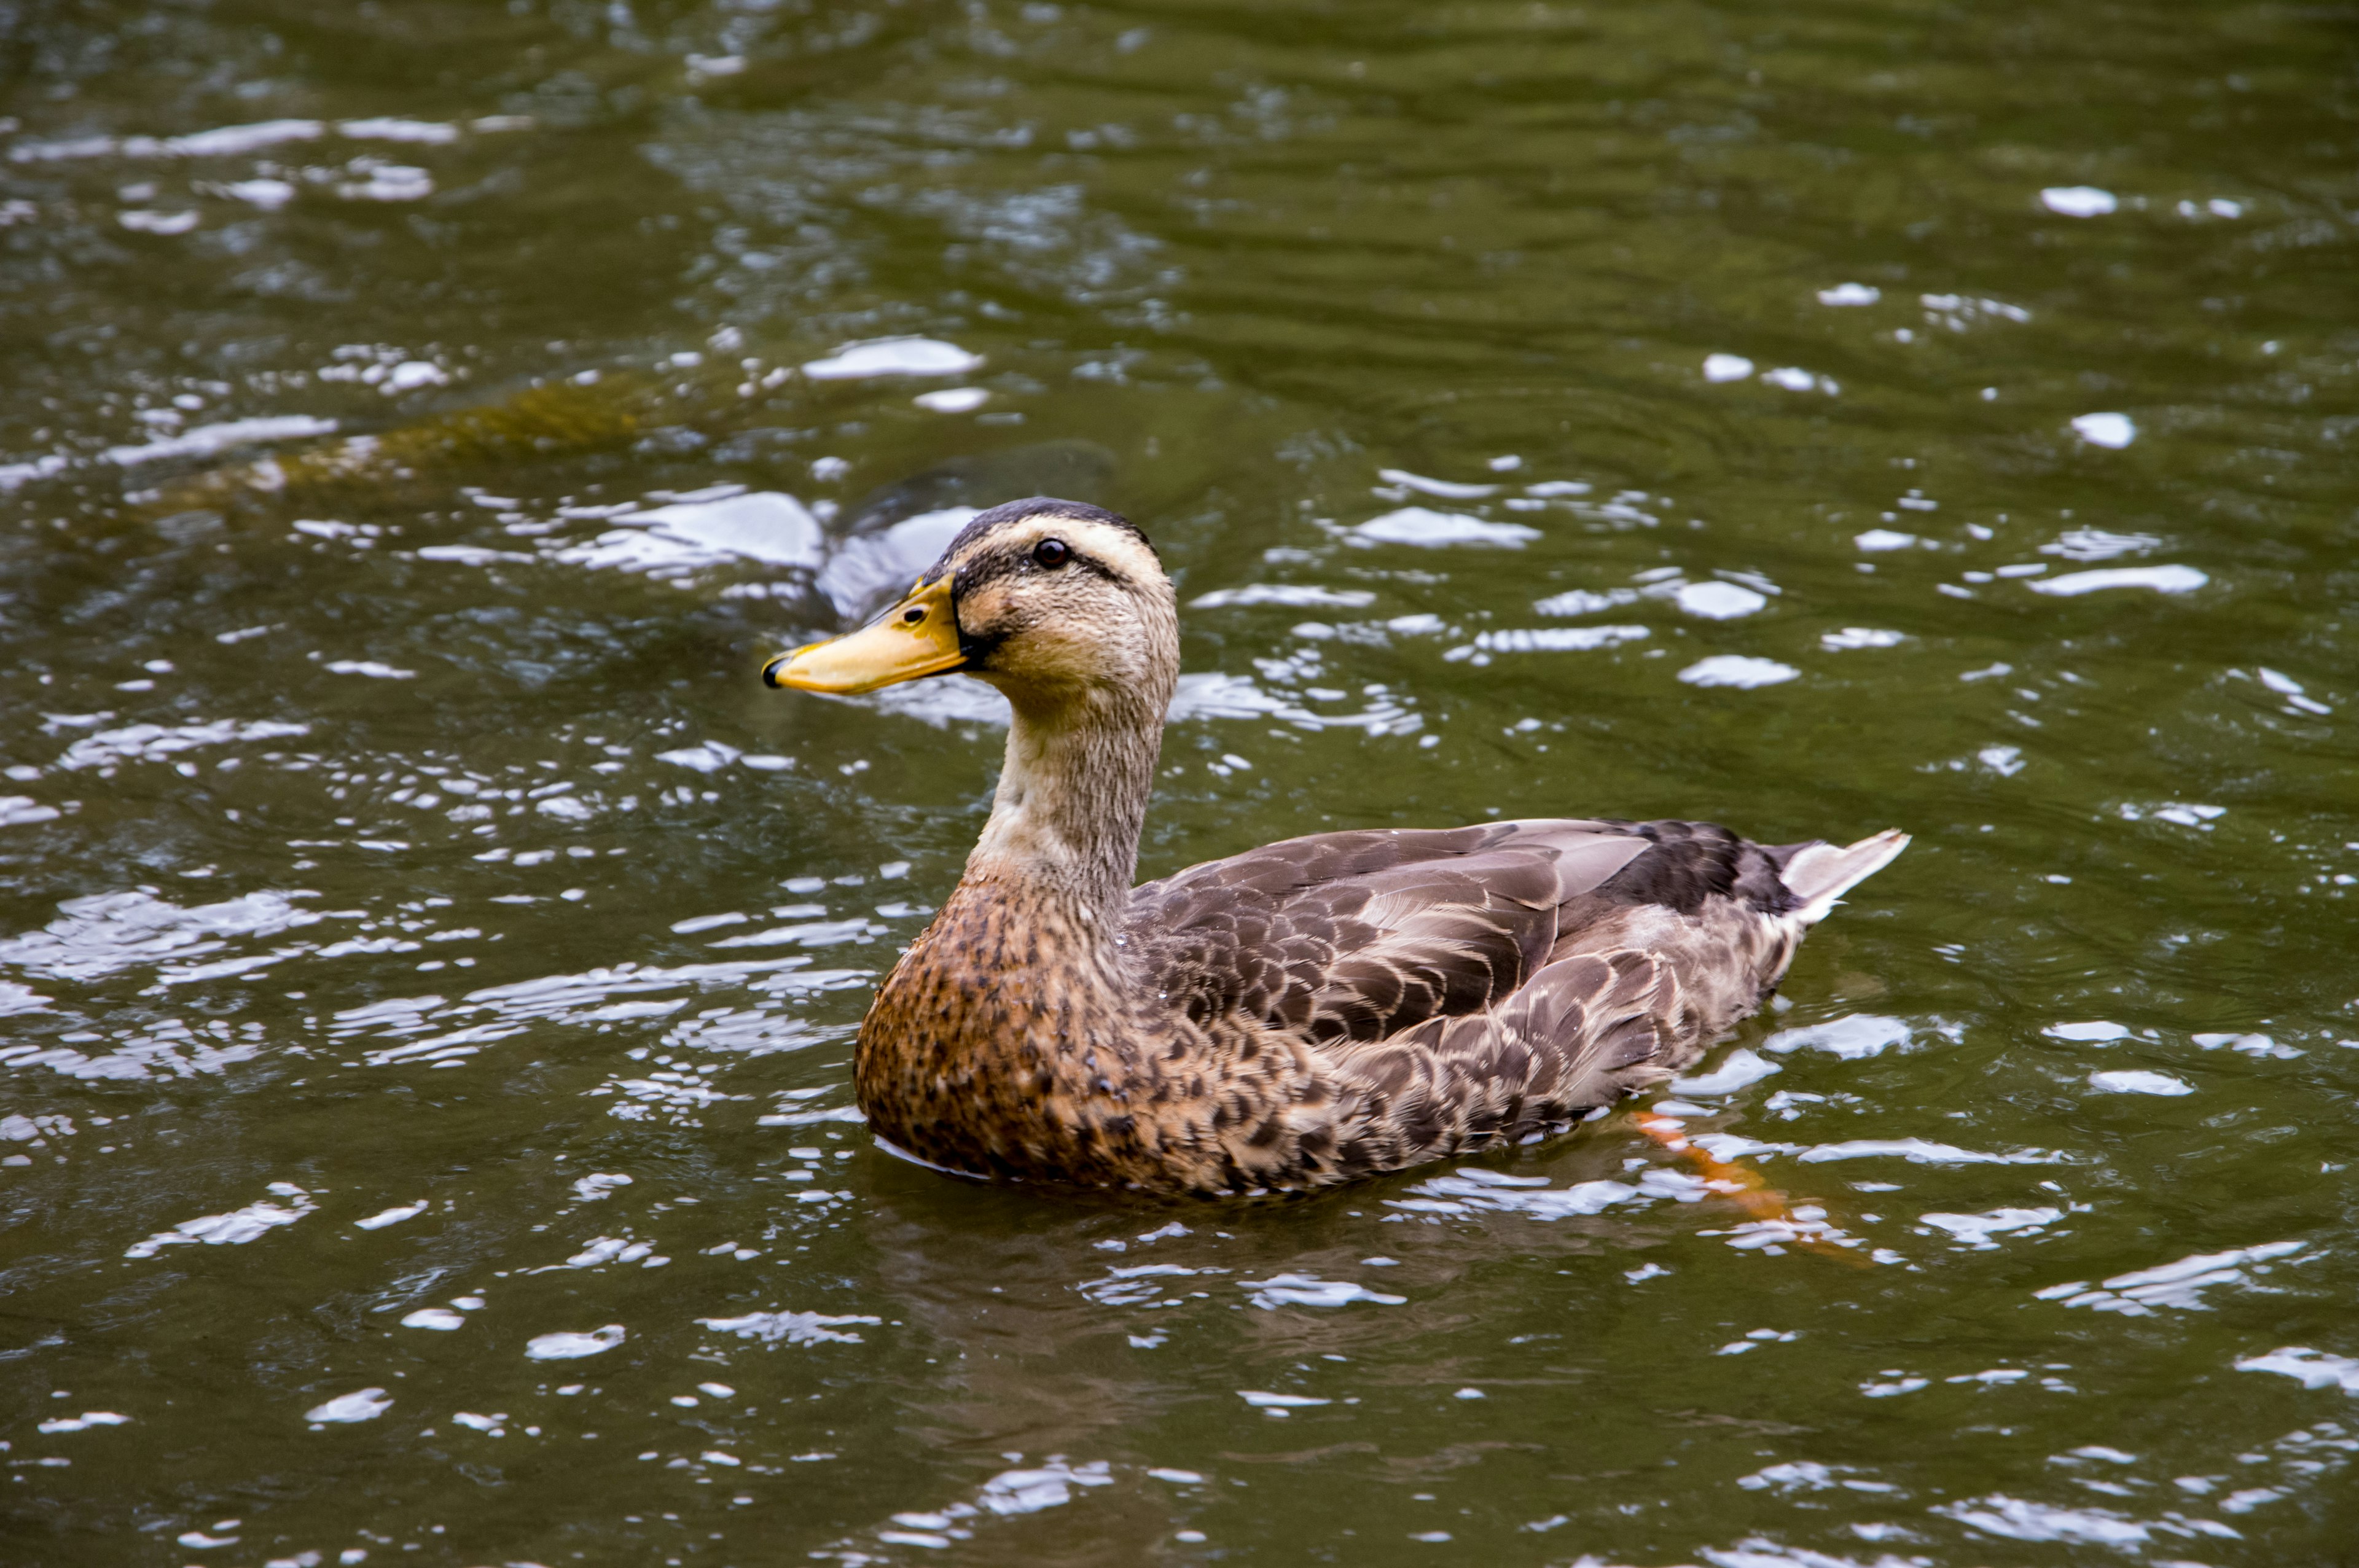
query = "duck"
x=1310 y=1012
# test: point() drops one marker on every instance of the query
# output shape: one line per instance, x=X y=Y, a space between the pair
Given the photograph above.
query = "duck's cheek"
x=1043 y=660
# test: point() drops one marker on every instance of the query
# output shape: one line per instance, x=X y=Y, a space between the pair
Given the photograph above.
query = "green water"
x=422 y=936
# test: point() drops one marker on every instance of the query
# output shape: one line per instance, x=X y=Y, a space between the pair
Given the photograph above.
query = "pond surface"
x=432 y=962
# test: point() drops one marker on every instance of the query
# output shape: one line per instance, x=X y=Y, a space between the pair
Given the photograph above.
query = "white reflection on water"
x=1441 y=489
x=2079 y=200
x=1922 y=1151
x=1740 y=670
x=1428 y=529
x=110 y=749
x=1718 y=600
x=566 y=1346
x=1550 y=640
x=232 y=1230
x=1850 y=294
x=110 y=932
x=1308 y=1290
x=365 y=1405
x=675 y=540
x=2161 y=579
x=2136 y=1081
x=1861 y=1034
x=205 y=440
x=2015 y=1518
x=1974 y=1230
x=2099 y=545
x=1296 y=595
x=2111 y=431
x=1760 y=1552
x=791 y=1327
x=83 y=1422
x=1739 y=1069
x=500 y=1011
x=2311 y=1368
x=894 y=356
x=2179 y=1284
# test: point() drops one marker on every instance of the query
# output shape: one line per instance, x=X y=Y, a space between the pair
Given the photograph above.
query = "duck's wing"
x=1489 y=981
x=1358 y=935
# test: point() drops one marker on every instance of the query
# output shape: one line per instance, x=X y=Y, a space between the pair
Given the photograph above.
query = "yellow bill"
x=919 y=636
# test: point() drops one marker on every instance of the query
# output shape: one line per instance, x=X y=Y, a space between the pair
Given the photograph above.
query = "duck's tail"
x=1820 y=874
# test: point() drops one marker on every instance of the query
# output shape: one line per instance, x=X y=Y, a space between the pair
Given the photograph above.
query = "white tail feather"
x=1822 y=873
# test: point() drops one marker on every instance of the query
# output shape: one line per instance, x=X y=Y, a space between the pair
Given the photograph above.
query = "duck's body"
x=1301 y=1014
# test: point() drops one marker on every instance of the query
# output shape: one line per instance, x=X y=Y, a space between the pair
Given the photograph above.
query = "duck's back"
x=1494 y=982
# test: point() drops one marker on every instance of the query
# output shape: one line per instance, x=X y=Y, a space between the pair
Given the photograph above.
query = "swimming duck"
x=1304 y=1013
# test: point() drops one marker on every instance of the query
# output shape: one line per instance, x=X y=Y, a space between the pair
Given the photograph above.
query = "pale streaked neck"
x=1072 y=796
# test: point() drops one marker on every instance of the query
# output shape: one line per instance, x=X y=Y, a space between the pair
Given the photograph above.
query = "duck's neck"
x=1072 y=796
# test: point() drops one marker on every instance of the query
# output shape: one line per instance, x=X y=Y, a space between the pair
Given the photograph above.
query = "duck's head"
x=1049 y=601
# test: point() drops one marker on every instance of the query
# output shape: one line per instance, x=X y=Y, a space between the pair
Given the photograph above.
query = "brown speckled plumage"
x=1303 y=1013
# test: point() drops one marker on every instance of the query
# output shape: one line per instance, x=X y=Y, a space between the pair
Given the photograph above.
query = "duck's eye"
x=1052 y=553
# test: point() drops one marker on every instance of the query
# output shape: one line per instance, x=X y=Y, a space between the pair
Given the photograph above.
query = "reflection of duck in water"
x=1297 y=1015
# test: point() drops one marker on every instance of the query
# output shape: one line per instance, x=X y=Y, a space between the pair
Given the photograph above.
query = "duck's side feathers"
x=1820 y=874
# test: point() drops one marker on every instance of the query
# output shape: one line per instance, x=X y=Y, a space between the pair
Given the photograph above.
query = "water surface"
x=432 y=961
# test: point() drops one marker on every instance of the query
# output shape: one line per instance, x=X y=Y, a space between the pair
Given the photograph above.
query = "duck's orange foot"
x=1777 y=1224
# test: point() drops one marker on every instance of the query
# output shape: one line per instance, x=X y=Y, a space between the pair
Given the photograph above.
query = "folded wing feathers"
x=1419 y=961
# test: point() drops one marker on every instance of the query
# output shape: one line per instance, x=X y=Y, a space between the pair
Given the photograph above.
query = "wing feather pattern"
x=1476 y=984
